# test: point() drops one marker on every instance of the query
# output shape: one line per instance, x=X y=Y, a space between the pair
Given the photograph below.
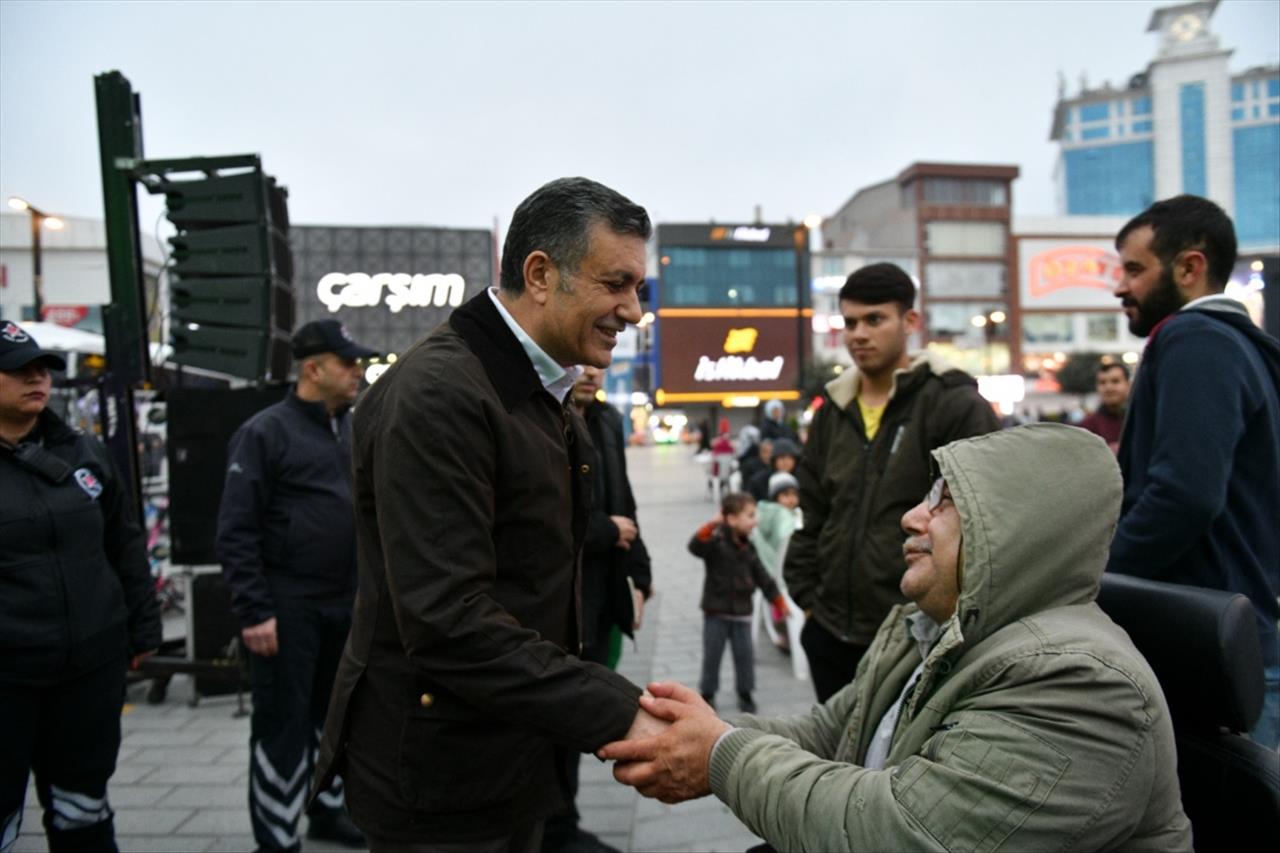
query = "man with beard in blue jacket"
x=1200 y=451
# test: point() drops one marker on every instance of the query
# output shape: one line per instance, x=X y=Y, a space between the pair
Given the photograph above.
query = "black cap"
x=327 y=336
x=18 y=349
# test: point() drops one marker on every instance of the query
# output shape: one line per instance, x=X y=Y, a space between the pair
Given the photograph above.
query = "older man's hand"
x=675 y=765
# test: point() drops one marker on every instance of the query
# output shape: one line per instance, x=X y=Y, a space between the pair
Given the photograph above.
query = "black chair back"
x=1203 y=646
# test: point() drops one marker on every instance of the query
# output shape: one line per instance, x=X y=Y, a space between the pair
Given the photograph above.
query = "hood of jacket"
x=1038 y=506
x=1234 y=314
x=844 y=388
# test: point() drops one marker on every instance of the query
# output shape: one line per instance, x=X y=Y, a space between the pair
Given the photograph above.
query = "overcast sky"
x=449 y=114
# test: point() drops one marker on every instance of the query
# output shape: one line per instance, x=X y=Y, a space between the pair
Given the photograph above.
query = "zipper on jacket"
x=61 y=576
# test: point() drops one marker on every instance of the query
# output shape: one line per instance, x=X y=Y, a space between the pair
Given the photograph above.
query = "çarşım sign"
x=360 y=290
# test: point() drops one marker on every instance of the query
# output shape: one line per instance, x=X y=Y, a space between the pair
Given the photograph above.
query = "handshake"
x=666 y=754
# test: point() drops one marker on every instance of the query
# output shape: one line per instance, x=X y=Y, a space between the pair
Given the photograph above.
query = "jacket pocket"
x=970 y=792
x=453 y=760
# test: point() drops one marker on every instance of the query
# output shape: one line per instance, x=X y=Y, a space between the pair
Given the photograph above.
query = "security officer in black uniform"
x=77 y=608
x=286 y=541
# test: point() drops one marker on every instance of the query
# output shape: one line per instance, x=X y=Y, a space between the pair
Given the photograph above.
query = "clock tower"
x=1191 y=93
x=1184 y=28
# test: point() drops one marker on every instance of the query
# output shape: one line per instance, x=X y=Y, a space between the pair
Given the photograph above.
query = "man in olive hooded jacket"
x=1000 y=710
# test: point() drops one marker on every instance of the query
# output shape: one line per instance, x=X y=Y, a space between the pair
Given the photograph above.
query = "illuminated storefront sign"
x=752 y=354
x=741 y=233
x=734 y=367
x=1068 y=273
x=360 y=290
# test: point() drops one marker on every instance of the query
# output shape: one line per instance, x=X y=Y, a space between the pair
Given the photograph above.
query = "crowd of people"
x=432 y=587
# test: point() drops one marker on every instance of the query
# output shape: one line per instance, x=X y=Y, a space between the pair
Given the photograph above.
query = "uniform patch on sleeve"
x=88 y=481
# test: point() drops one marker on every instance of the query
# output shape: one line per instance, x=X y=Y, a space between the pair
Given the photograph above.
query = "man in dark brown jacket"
x=471 y=487
x=865 y=464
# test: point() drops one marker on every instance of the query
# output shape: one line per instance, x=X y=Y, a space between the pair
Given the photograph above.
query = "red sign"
x=66 y=315
x=1074 y=266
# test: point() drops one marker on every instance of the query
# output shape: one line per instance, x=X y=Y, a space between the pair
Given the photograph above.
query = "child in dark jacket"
x=733 y=574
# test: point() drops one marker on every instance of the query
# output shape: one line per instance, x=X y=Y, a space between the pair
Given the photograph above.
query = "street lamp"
x=987 y=323
x=39 y=220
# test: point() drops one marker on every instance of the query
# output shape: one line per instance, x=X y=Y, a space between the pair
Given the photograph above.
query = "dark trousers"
x=69 y=734
x=290 y=698
x=716 y=630
x=562 y=826
x=832 y=661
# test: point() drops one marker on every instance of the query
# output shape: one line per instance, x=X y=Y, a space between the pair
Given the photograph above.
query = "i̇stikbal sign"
x=734 y=367
x=394 y=290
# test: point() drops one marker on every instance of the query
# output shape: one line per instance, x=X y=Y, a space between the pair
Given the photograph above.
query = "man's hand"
x=675 y=765
x=645 y=724
x=261 y=639
x=137 y=659
x=627 y=531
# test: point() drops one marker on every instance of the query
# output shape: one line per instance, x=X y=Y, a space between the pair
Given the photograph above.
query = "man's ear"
x=1191 y=271
x=911 y=319
x=540 y=276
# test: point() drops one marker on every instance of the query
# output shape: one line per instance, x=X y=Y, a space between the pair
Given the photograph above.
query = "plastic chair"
x=761 y=612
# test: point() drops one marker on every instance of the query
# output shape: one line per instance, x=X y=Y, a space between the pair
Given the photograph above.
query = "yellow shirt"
x=871 y=417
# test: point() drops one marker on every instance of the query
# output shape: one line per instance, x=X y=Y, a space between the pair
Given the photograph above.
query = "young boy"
x=733 y=573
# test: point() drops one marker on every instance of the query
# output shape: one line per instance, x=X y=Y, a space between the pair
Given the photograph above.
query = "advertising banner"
x=1070 y=272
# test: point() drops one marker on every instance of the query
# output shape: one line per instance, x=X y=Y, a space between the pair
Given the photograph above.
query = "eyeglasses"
x=937 y=494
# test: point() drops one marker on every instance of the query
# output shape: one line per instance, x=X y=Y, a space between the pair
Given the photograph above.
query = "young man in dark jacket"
x=1200 y=451
x=286 y=540
x=77 y=607
x=866 y=463
x=733 y=574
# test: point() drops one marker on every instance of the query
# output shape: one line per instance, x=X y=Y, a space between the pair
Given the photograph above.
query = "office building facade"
x=1187 y=124
x=948 y=226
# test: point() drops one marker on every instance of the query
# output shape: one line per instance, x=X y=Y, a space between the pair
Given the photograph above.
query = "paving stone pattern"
x=180 y=782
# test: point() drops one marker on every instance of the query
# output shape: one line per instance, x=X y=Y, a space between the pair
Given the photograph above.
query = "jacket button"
x=585 y=469
x=426 y=700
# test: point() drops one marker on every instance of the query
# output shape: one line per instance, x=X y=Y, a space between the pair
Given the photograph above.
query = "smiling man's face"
x=592 y=304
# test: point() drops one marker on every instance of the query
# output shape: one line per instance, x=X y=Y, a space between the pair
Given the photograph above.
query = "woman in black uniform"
x=77 y=608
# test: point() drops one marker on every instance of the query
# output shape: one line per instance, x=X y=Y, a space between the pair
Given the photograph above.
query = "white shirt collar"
x=1212 y=297
x=923 y=630
x=556 y=379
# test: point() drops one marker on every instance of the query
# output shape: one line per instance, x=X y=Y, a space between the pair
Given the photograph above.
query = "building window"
x=1257 y=184
x=1191 y=111
x=956 y=319
x=1237 y=114
x=1142 y=126
x=964 y=238
x=1109 y=179
x=1273 y=110
x=1101 y=328
x=1237 y=92
x=729 y=278
x=977 y=193
x=1095 y=133
x=1095 y=112
x=965 y=278
x=1038 y=329
x=1273 y=87
x=1141 y=106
